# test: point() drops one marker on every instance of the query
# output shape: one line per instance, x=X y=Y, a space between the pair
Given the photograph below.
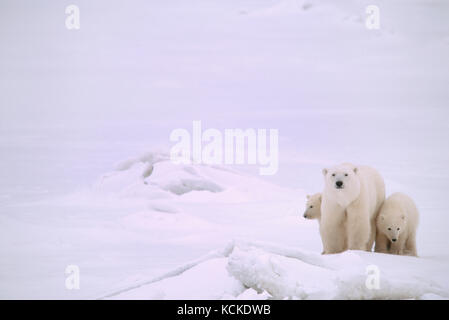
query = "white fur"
x=313 y=207
x=348 y=215
x=398 y=219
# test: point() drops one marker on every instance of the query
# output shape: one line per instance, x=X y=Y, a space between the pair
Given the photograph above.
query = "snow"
x=292 y=278
x=85 y=119
x=257 y=270
x=208 y=280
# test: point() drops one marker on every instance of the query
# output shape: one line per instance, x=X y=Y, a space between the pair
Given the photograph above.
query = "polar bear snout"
x=339 y=184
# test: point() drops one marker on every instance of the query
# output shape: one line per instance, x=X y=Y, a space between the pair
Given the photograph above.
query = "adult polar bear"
x=351 y=200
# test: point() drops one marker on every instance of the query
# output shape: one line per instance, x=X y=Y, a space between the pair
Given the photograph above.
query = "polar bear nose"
x=305 y=215
x=394 y=240
x=339 y=183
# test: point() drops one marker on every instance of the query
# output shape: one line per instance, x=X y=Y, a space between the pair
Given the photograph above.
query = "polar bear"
x=350 y=203
x=396 y=225
x=313 y=207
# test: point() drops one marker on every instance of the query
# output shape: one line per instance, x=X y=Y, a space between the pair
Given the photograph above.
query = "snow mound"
x=248 y=270
x=153 y=176
x=208 y=280
x=262 y=271
x=181 y=179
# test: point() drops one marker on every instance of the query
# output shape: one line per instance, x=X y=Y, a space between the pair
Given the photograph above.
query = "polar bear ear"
x=403 y=217
x=308 y=197
x=355 y=170
x=324 y=171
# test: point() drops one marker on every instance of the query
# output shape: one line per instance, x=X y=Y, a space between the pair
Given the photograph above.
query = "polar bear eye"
x=389 y=229
x=346 y=174
x=398 y=229
x=311 y=207
x=333 y=174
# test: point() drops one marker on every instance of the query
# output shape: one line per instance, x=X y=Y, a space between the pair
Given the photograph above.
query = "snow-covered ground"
x=85 y=119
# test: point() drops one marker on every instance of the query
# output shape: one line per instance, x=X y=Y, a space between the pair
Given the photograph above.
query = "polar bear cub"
x=350 y=203
x=313 y=207
x=396 y=226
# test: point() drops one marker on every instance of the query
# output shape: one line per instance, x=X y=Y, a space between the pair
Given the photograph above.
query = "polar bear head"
x=313 y=206
x=391 y=225
x=342 y=183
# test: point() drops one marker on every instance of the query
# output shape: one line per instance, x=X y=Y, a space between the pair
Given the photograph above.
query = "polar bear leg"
x=333 y=242
x=401 y=245
x=332 y=230
x=381 y=243
x=372 y=235
x=332 y=236
x=410 y=245
x=358 y=227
